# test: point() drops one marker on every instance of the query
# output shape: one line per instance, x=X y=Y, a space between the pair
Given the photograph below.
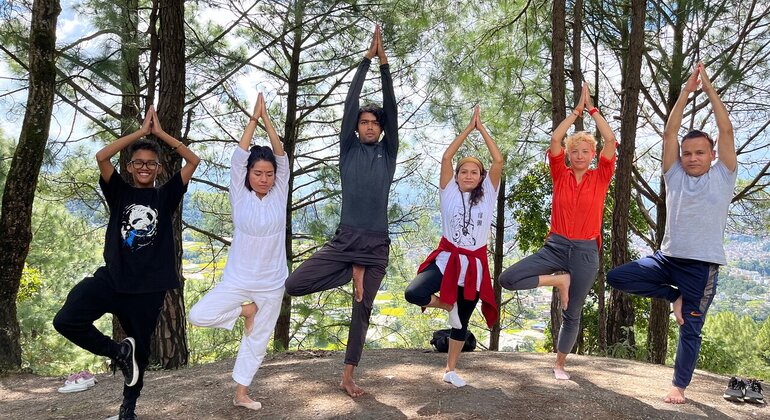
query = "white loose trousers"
x=221 y=308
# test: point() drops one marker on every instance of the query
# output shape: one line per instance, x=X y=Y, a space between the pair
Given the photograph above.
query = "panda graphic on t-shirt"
x=138 y=226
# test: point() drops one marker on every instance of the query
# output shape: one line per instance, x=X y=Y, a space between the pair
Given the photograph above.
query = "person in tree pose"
x=139 y=255
x=360 y=247
x=256 y=264
x=698 y=195
x=574 y=239
x=459 y=267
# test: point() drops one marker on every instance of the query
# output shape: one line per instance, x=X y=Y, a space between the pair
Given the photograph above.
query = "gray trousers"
x=580 y=258
x=332 y=267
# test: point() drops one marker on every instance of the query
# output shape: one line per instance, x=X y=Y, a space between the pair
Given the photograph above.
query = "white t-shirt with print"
x=464 y=225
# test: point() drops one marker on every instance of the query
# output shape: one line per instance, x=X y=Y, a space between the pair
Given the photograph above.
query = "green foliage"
x=531 y=203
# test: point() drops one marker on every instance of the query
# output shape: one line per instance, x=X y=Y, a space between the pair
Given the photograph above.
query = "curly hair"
x=257 y=153
x=580 y=136
x=144 y=144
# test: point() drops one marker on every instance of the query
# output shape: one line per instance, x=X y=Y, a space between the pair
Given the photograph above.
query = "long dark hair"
x=477 y=193
x=257 y=153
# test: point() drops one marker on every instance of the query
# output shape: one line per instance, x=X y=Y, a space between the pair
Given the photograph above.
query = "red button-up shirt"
x=578 y=208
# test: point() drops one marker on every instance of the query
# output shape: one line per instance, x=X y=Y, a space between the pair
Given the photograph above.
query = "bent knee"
x=414 y=297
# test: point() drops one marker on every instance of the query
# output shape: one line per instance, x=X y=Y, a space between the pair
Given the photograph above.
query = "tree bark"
x=558 y=113
x=21 y=181
x=291 y=130
x=621 y=305
x=169 y=344
x=129 y=106
x=657 y=331
x=497 y=259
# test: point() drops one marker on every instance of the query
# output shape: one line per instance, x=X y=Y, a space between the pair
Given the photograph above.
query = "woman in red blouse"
x=574 y=241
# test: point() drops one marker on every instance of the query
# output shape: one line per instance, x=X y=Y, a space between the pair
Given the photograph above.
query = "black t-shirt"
x=139 y=247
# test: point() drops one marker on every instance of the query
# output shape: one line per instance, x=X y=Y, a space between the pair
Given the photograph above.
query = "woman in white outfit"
x=256 y=265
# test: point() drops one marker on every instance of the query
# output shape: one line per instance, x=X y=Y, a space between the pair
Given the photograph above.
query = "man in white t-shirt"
x=698 y=195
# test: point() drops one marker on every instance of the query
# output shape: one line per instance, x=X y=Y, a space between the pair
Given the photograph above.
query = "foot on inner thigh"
x=675 y=396
x=248 y=312
x=358 y=281
x=678 y=311
x=348 y=385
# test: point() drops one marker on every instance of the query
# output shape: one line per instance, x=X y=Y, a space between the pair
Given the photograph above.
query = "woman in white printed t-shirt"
x=256 y=265
x=468 y=197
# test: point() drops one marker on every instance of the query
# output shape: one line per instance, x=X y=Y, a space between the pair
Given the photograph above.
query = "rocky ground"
x=400 y=384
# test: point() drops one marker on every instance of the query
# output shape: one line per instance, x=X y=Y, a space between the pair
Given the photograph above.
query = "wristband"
x=592 y=111
x=177 y=146
x=575 y=113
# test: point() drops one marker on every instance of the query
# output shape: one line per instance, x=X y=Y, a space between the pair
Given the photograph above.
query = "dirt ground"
x=400 y=384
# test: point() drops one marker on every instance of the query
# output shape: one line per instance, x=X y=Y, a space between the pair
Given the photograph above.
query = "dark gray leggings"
x=580 y=258
x=426 y=283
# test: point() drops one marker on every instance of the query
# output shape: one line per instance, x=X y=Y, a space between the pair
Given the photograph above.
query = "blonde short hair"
x=580 y=136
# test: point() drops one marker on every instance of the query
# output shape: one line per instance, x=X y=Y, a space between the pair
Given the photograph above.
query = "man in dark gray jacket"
x=361 y=244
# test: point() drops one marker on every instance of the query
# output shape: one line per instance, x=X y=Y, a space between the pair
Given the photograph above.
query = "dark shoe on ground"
x=127 y=412
x=754 y=392
x=126 y=361
x=735 y=390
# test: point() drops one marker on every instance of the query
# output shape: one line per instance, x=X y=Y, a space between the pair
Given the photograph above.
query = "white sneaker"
x=74 y=383
x=454 y=379
x=454 y=318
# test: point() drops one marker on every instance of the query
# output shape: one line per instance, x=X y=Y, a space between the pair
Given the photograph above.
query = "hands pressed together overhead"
x=376 y=48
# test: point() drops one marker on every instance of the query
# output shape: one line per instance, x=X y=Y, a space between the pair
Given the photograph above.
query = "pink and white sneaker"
x=77 y=382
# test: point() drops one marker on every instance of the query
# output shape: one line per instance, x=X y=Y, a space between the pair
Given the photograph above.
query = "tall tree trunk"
x=577 y=85
x=657 y=332
x=129 y=106
x=620 y=303
x=558 y=113
x=21 y=181
x=291 y=131
x=169 y=344
x=497 y=259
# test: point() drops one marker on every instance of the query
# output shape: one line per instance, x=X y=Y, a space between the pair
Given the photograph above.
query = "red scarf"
x=448 y=291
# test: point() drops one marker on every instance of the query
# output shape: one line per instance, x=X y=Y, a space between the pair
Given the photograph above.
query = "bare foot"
x=560 y=374
x=564 y=290
x=678 y=312
x=358 y=281
x=675 y=395
x=248 y=312
x=242 y=399
x=349 y=386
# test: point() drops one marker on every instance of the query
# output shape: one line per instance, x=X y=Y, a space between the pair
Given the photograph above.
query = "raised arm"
x=104 y=156
x=446 y=160
x=350 y=113
x=248 y=133
x=610 y=142
x=561 y=130
x=496 y=170
x=191 y=159
x=726 y=140
x=275 y=141
x=388 y=100
x=671 y=132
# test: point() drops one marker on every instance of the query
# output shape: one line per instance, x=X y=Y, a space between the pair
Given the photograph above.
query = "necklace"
x=466 y=222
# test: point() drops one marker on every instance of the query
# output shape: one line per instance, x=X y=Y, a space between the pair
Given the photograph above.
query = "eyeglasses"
x=150 y=164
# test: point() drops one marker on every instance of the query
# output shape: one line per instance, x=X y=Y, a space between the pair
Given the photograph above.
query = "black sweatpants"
x=332 y=266
x=426 y=283
x=93 y=297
